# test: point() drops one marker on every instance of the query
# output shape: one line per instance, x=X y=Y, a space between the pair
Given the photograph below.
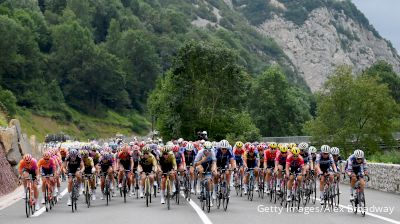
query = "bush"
x=8 y=101
x=392 y=156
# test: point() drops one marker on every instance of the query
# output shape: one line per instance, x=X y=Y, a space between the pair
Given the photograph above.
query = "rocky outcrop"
x=13 y=145
x=327 y=39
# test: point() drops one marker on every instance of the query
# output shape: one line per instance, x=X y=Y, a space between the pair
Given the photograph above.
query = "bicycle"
x=177 y=187
x=250 y=185
x=272 y=186
x=137 y=180
x=48 y=193
x=261 y=184
x=125 y=188
x=239 y=183
x=296 y=195
x=336 y=191
x=205 y=192
x=87 y=189
x=147 y=188
x=359 y=198
x=74 y=192
x=107 y=188
x=328 y=192
x=223 y=190
x=283 y=192
x=186 y=183
x=29 y=197
x=168 y=189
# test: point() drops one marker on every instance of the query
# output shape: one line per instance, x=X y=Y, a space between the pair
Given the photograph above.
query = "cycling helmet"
x=73 y=153
x=175 y=148
x=146 y=149
x=325 y=149
x=85 y=153
x=295 y=151
x=260 y=147
x=284 y=149
x=303 y=146
x=273 y=145
x=252 y=148
x=180 y=140
x=207 y=145
x=190 y=147
x=335 y=151
x=27 y=158
x=359 y=154
x=292 y=145
x=239 y=144
x=224 y=144
x=312 y=149
x=46 y=155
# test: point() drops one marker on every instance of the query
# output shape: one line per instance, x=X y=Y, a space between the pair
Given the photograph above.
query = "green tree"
x=277 y=108
x=202 y=91
x=357 y=109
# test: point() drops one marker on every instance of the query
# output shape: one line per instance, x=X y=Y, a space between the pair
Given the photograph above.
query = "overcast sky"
x=384 y=15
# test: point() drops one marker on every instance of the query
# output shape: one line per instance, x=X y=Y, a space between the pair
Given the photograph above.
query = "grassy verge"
x=3 y=120
x=81 y=126
x=386 y=157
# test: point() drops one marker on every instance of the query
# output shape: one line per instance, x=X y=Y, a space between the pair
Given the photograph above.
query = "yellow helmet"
x=280 y=145
x=239 y=144
x=284 y=148
x=295 y=151
x=292 y=145
x=273 y=145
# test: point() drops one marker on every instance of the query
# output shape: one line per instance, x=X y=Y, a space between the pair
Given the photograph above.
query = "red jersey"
x=269 y=155
x=294 y=162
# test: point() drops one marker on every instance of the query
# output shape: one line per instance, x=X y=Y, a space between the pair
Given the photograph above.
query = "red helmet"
x=142 y=144
x=246 y=145
x=175 y=148
x=184 y=143
x=251 y=148
x=260 y=147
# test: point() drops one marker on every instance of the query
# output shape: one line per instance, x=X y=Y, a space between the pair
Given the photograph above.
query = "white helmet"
x=335 y=151
x=325 y=149
x=204 y=133
x=131 y=143
x=224 y=144
x=180 y=140
x=190 y=147
x=303 y=146
x=312 y=149
x=207 y=145
x=202 y=141
x=359 y=154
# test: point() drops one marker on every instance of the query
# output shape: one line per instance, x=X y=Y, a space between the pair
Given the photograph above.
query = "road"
x=240 y=210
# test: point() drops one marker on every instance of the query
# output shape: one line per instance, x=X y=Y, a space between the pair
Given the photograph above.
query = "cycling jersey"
x=148 y=163
x=28 y=167
x=95 y=156
x=135 y=157
x=89 y=164
x=306 y=157
x=105 y=164
x=354 y=166
x=179 y=158
x=189 y=157
x=47 y=167
x=251 y=159
x=223 y=159
x=269 y=157
x=295 y=164
x=325 y=164
x=210 y=159
x=169 y=163
x=125 y=160
x=73 y=165
x=238 y=153
x=281 y=159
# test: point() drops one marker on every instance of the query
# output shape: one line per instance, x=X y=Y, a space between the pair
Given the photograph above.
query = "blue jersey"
x=223 y=159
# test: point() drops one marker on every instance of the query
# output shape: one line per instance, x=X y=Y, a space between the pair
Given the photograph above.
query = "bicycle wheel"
x=28 y=202
x=313 y=190
x=87 y=193
x=337 y=194
x=124 y=188
x=270 y=186
x=261 y=186
x=46 y=198
x=331 y=197
x=226 y=197
x=361 y=203
x=298 y=197
x=208 y=200
x=168 y=193
x=147 y=187
x=251 y=188
x=306 y=192
x=202 y=198
x=177 y=190
x=219 y=195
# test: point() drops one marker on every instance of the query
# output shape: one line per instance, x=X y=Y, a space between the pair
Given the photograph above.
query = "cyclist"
x=190 y=155
x=206 y=161
x=324 y=165
x=338 y=161
x=89 y=170
x=28 y=166
x=135 y=152
x=238 y=151
x=251 y=160
x=280 y=165
x=73 y=164
x=47 y=166
x=303 y=146
x=356 y=167
x=125 y=163
x=167 y=164
x=224 y=158
x=147 y=164
x=294 y=167
x=261 y=153
x=106 y=168
x=180 y=162
x=269 y=162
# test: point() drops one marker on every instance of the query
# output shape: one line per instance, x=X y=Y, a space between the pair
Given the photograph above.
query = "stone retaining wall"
x=383 y=177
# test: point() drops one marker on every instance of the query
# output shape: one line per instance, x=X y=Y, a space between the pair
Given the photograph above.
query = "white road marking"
x=370 y=214
x=199 y=212
x=43 y=209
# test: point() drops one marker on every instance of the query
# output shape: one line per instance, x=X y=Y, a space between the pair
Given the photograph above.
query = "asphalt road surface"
x=240 y=210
